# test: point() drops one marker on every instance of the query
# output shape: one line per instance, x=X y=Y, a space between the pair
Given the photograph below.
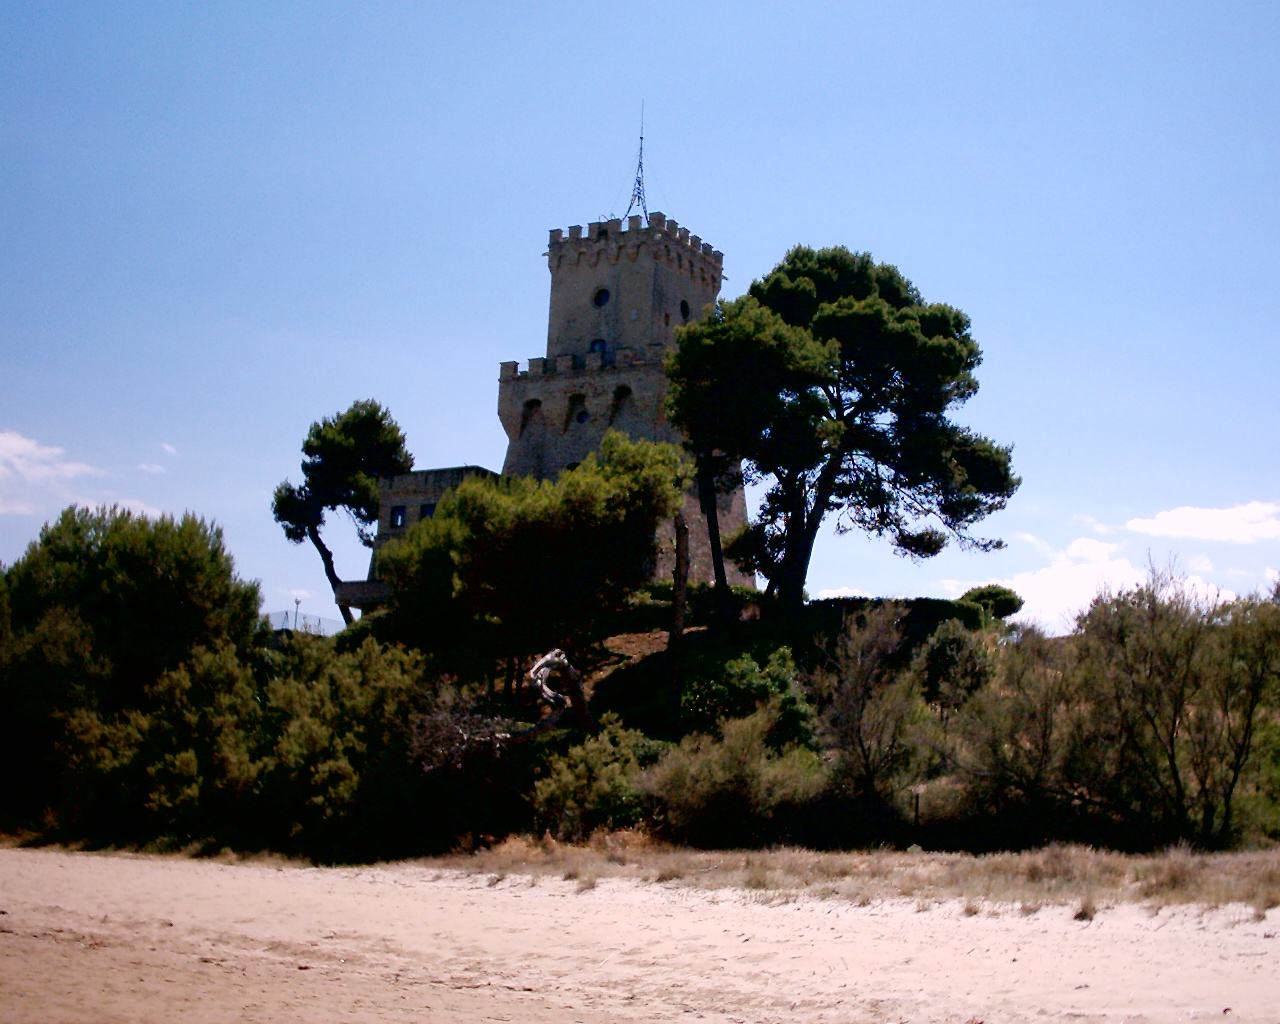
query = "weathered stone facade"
x=409 y=497
x=617 y=297
x=402 y=501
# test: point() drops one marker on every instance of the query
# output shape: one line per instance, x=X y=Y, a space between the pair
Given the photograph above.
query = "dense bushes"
x=513 y=566
x=724 y=790
x=737 y=687
x=99 y=608
x=1153 y=722
x=144 y=703
x=596 y=784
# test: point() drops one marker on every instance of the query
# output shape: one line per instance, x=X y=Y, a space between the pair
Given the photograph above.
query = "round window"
x=582 y=416
x=684 y=308
x=601 y=297
x=597 y=345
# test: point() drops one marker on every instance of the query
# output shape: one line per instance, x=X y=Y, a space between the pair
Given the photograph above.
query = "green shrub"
x=335 y=747
x=1264 y=803
x=723 y=790
x=521 y=565
x=100 y=607
x=741 y=686
x=873 y=712
x=1010 y=741
x=998 y=601
x=595 y=784
x=1176 y=687
x=953 y=664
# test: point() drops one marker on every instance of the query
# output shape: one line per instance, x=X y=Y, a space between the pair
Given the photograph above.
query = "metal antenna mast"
x=637 y=190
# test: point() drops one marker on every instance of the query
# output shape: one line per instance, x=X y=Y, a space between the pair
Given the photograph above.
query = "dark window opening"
x=572 y=466
x=426 y=511
x=397 y=516
x=684 y=309
x=597 y=345
x=577 y=411
x=621 y=401
x=601 y=297
x=532 y=408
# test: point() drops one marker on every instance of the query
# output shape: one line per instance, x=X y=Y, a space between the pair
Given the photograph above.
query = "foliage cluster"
x=143 y=704
x=98 y=609
x=724 y=789
x=1152 y=723
x=346 y=455
x=146 y=704
x=515 y=566
x=834 y=381
x=596 y=784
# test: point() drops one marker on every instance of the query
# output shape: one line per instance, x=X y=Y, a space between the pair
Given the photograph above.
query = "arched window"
x=532 y=412
x=577 y=411
x=684 y=309
x=601 y=296
x=622 y=403
x=597 y=345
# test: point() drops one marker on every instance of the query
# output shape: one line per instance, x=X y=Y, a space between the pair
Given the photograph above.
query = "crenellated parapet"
x=617 y=287
x=661 y=239
x=569 y=364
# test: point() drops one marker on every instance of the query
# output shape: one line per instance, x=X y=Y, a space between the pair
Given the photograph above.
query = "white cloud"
x=1054 y=595
x=1244 y=524
x=843 y=592
x=1105 y=529
x=139 y=508
x=167 y=448
x=1086 y=549
x=1035 y=542
x=31 y=473
x=1199 y=563
x=151 y=467
x=1273 y=575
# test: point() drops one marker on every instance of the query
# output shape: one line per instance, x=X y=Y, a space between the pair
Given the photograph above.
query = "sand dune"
x=108 y=938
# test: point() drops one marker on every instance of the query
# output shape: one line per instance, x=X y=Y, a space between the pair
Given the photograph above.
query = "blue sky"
x=222 y=222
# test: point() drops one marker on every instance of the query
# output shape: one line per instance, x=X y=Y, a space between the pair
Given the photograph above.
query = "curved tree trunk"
x=331 y=573
x=804 y=519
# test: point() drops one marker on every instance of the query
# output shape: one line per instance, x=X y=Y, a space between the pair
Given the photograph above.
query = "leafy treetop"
x=345 y=456
x=833 y=380
x=534 y=564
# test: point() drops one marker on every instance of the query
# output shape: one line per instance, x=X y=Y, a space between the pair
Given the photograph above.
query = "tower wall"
x=626 y=288
x=604 y=363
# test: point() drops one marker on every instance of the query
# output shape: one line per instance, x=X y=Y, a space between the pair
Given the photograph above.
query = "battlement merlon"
x=565 y=365
x=660 y=229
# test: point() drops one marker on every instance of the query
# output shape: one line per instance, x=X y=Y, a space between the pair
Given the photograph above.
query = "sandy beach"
x=106 y=938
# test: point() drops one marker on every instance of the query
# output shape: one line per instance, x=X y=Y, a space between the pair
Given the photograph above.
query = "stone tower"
x=616 y=298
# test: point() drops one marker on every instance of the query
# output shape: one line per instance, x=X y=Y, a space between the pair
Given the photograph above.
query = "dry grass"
x=1075 y=876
